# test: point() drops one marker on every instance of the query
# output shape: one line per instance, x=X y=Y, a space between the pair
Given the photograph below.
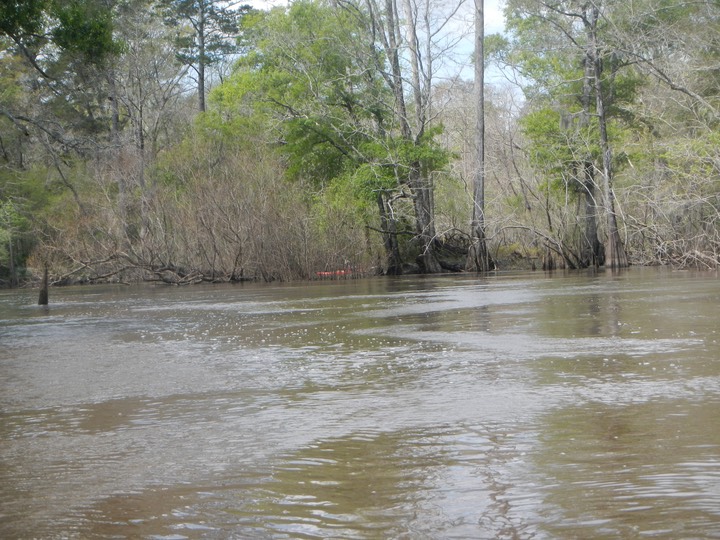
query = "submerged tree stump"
x=43 y=299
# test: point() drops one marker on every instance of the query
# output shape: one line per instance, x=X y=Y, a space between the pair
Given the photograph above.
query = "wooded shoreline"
x=180 y=141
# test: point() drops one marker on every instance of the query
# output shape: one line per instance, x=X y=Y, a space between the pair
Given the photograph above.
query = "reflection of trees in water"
x=591 y=312
x=622 y=471
x=593 y=471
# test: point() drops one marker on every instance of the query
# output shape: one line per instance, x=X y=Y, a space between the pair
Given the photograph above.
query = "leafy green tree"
x=76 y=27
x=333 y=81
x=310 y=75
x=61 y=41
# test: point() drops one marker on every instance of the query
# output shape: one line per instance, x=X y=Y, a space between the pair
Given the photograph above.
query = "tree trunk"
x=421 y=185
x=389 y=235
x=140 y=174
x=201 y=58
x=11 y=263
x=478 y=259
x=418 y=180
x=116 y=150
x=548 y=260
x=414 y=45
x=591 y=252
x=43 y=299
x=615 y=256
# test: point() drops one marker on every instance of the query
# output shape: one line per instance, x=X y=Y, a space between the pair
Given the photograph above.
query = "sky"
x=494 y=22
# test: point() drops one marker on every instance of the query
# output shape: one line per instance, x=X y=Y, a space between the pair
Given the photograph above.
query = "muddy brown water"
x=511 y=406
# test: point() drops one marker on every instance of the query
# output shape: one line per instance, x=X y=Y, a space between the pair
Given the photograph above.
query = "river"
x=510 y=406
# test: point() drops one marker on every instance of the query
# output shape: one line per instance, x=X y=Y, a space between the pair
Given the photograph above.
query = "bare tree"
x=478 y=256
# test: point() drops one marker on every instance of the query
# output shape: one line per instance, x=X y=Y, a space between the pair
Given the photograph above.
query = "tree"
x=147 y=95
x=676 y=43
x=675 y=47
x=421 y=27
x=76 y=27
x=13 y=227
x=65 y=44
x=478 y=256
x=574 y=28
x=592 y=252
x=206 y=33
x=62 y=42
x=319 y=74
x=615 y=256
x=54 y=52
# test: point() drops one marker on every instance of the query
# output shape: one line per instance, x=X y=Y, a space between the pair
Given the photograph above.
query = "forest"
x=186 y=141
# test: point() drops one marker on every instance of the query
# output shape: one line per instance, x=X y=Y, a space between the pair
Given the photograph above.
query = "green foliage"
x=12 y=225
x=348 y=199
x=313 y=75
x=550 y=149
x=548 y=44
x=24 y=200
x=66 y=42
x=496 y=48
x=11 y=83
x=85 y=28
x=22 y=17
x=537 y=47
x=694 y=162
x=426 y=152
x=306 y=78
x=28 y=189
x=77 y=27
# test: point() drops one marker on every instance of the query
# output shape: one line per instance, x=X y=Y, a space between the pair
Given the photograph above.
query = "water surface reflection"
x=643 y=470
x=448 y=407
